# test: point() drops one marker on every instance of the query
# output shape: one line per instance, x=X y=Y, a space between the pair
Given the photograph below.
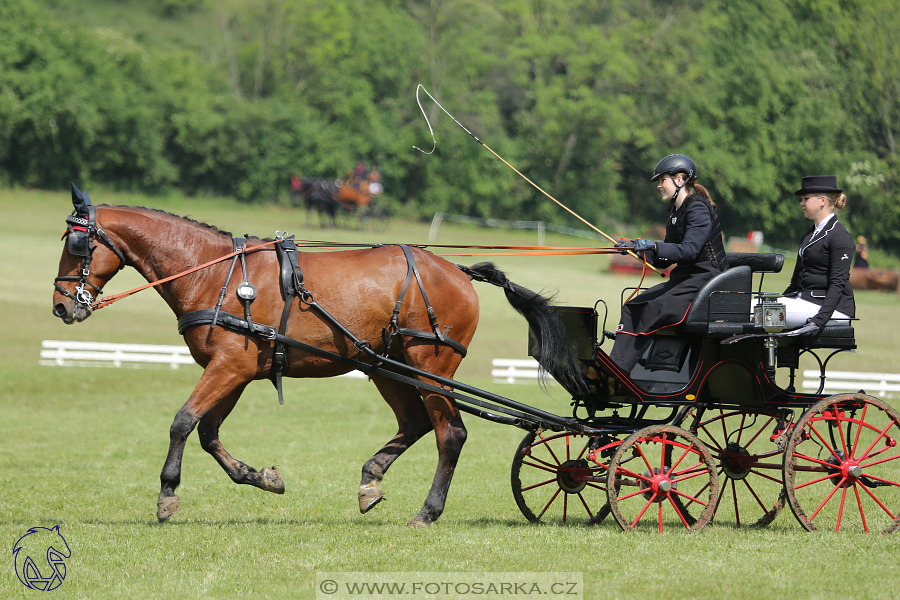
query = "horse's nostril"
x=59 y=311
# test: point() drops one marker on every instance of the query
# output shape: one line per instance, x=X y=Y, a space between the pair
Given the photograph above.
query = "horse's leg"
x=449 y=430
x=216 y=385
x=268 y=479
x=412 y=424
x=450 y=434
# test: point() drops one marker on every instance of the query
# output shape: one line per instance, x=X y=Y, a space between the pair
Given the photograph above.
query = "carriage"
x=355 y=195
x=707 y=428
x=699 y=430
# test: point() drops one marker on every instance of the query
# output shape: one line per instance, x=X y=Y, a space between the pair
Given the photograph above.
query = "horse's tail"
x=556 y=356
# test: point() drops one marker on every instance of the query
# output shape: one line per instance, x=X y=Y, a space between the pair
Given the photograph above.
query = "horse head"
x=89 y=260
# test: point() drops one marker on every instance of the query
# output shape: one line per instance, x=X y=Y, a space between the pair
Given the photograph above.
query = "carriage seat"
x=758 y=263
x=722 y=306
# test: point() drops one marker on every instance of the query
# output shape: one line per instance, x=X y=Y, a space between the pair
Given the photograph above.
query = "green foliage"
x=583 y=98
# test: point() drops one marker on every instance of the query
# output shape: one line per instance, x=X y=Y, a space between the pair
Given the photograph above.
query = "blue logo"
x=40 y=558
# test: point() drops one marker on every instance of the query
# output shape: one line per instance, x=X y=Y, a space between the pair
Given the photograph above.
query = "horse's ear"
x=80 y=200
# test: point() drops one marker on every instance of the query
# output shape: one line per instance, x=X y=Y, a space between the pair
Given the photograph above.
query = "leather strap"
x=515 y=417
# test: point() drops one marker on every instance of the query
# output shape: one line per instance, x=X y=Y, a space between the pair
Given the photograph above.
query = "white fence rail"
x=509 y=370
x=883 y=384
x=104 y=354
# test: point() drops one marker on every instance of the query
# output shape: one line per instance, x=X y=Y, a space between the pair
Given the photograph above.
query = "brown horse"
x=359 y=287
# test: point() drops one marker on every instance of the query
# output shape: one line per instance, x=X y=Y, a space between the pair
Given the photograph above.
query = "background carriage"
x=357 y=195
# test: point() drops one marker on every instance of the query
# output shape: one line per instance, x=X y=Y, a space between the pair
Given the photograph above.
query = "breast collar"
x=819 y=235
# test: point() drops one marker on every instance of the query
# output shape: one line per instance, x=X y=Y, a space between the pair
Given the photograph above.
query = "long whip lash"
x=536 y=186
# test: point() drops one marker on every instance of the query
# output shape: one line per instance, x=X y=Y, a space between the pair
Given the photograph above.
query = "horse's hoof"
x=417 y=522
x=166 y=507
x=369 y=496
x=272 y=480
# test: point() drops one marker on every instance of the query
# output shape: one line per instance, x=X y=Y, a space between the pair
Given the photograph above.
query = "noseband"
x=82 y=228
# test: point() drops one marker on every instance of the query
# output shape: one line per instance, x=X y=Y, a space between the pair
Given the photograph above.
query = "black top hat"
x=819 y=183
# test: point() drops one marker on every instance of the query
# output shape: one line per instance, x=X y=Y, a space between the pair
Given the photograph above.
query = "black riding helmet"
x=674 y=164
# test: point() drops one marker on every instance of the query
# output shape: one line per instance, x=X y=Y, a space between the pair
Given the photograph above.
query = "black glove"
x=638 y=246
x=810 y=329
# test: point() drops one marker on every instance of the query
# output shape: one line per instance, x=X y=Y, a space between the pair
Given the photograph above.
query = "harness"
x=292 y=286
x=82 y=227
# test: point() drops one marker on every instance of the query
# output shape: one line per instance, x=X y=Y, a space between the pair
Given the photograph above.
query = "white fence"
x=508 y=370
x=104 y=354
x=848 y=381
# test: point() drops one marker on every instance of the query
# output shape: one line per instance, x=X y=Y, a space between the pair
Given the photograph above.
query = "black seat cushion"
x=758 y=263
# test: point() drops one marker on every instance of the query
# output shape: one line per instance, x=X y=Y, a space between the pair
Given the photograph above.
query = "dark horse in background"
x=359 y=287
x=319 y=196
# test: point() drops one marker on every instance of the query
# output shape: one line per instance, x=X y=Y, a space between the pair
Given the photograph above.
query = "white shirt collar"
x=823 y=223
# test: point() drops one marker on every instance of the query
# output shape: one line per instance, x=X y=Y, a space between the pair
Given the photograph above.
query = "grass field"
x=82 y=448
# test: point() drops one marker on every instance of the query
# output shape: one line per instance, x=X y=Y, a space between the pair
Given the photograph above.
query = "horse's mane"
x=185 y=219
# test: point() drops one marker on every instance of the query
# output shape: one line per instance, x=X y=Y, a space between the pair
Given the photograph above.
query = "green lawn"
x=83 y=448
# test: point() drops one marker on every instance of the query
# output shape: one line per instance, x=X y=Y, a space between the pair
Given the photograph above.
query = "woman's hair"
x=837 y=200
x=702 y=191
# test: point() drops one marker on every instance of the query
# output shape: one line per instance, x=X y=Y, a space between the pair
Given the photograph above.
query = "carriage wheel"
x=655 y=474
x=555 y=478
x=748 y=466
x=842 y=465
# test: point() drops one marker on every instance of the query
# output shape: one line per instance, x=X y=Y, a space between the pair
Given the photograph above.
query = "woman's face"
x=667 y=185
x=814 y=206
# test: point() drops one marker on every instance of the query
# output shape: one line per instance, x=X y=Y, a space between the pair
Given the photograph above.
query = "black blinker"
x=79 y=243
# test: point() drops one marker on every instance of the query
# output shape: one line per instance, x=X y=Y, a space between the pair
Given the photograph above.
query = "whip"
x=537 y=187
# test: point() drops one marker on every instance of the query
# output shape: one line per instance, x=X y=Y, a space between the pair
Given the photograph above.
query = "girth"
x=291 y=282
x=393 y=329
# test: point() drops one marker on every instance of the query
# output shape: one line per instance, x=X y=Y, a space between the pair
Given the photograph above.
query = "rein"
x=532 y=251
x=110 y=299
x=82 y=230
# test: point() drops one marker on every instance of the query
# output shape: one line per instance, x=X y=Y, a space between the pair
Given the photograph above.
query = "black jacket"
x=692 y=234
x=822 y=272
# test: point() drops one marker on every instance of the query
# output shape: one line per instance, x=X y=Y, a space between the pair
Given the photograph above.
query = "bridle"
x=81 y=230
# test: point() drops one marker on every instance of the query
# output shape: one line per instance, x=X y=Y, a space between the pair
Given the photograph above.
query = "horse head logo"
x=39 y=557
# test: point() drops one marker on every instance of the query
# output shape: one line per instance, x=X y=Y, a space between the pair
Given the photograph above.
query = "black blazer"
x=822 y=272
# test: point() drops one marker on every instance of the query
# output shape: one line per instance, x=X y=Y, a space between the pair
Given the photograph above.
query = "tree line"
x=581 y=96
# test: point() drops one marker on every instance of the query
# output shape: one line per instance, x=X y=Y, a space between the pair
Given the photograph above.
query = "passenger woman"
x=820 y=288
x=693 y=241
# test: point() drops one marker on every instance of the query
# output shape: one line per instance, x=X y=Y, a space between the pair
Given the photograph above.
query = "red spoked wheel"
x=842 y=465
x=749 y=466
x=655 y=473
x=557 y=478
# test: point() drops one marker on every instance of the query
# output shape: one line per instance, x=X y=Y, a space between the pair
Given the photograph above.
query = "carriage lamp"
x=769 y=314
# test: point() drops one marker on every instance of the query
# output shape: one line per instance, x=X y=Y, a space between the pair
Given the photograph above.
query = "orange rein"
x=101 y=303
x=529 y=251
